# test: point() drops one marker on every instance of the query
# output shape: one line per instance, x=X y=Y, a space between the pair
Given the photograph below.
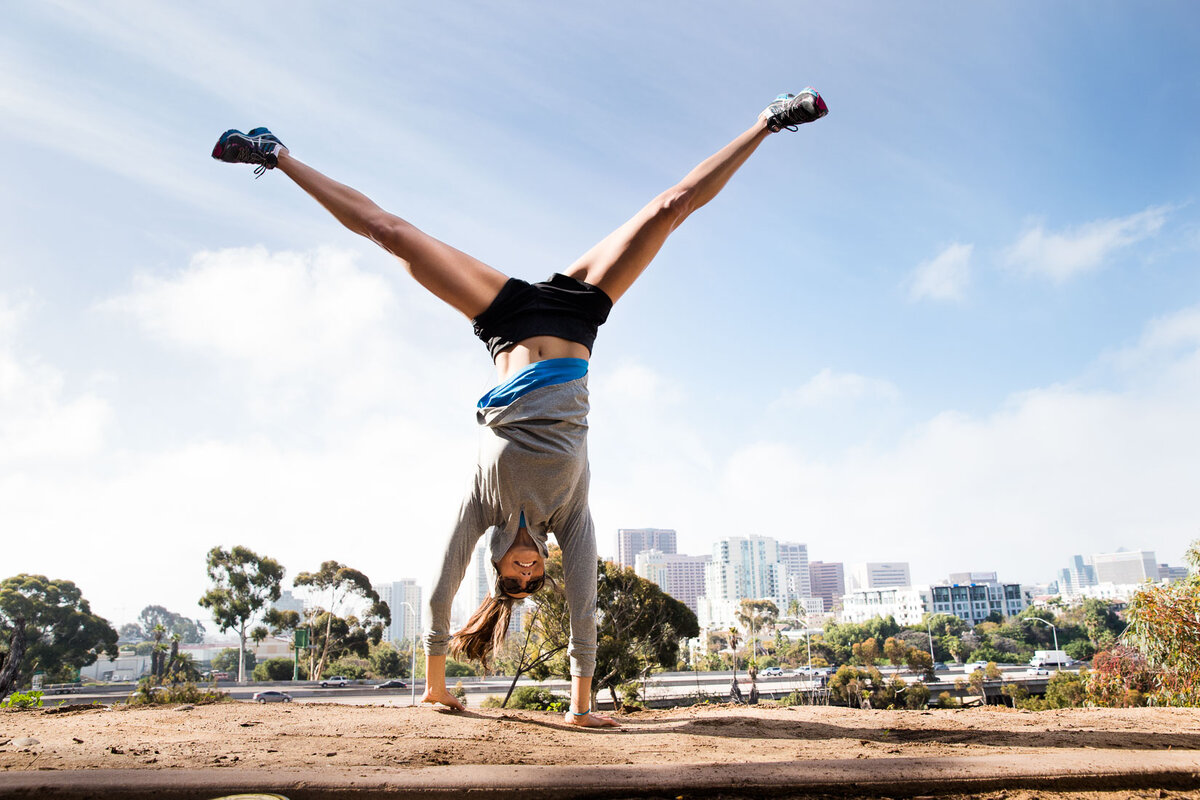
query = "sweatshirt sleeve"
x=577 y=538
x=467 y=530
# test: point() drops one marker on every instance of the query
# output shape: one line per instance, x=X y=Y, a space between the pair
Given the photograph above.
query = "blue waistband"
x=550 y=372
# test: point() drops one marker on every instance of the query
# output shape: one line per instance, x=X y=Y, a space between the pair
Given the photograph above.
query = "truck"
x=1049 y=659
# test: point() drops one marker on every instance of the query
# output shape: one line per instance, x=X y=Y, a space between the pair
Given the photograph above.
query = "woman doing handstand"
x=532 y=475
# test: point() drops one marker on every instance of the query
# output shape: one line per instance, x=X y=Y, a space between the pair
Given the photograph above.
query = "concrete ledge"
x=1069 y=770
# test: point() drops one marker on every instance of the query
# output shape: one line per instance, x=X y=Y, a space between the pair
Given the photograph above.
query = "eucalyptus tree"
x=243 y=583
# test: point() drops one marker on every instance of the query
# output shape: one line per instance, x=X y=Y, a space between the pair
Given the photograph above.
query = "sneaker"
x=792 y=110
x=259 y=146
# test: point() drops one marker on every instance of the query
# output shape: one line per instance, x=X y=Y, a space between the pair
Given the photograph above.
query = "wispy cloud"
x=1062 y=255
x=944 y=277
x=829 y=388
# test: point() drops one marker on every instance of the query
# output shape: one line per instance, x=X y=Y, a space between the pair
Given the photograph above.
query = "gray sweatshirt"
x=532 y=458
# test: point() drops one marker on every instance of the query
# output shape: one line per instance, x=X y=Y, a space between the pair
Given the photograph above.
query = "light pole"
x=412 y=643
x=929 y=631
x=1053 y=630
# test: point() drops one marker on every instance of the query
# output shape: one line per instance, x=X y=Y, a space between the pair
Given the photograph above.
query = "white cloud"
x=944 y=277
x=828 y=388
x=1063 y=255
x=277 y=313
x=40 y=420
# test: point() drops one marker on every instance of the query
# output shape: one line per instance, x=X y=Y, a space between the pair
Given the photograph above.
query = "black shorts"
x=564 y=307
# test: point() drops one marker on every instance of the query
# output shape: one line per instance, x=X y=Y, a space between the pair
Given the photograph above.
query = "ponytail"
x=485 y=630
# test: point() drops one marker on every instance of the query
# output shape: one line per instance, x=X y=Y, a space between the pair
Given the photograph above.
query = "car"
x=771 y=672
x=340 y=681
x=220 y=676
x=974 y=665
x=271 y=696
x=1038 y=671
x=392 y=684
x=940 y=666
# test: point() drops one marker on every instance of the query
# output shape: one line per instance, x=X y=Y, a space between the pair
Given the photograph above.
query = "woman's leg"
x=466 y=283
x=618 y=259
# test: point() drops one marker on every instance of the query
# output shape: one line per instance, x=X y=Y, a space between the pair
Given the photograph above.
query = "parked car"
x=340 y=681
x=392 y=684
x=272 y=696
x=771 y=672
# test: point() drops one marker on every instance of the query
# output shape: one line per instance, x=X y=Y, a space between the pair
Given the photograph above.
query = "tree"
x=228 y=660
x=1165 y=626
x=338 y=583
x=754 y=615
x=920 y=661
x=190 y=631
x=47 y=626
x=1101 y=622
x=243 y=582
x=639 y=626
x=335 y=637
x=387 y=663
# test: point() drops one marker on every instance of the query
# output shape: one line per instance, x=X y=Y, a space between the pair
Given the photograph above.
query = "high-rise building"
x=406 y=619
x=631 y=541
x=1172 y=574
x=878 y=575
x=827 y=580
x=288 y=602
x=794 y=557
x=1125 y=566
x=681 y=576
x=742 y=567
x=1077 y=576
x=974 y=602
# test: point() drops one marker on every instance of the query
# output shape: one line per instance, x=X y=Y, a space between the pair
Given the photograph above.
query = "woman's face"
x=522 y=569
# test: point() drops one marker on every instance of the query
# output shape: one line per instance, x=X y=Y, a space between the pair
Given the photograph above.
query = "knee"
x=673 y=206
x=386 y=230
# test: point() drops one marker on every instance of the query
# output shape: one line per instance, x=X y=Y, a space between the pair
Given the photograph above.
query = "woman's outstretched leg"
x=617 y=260
x=466 y=283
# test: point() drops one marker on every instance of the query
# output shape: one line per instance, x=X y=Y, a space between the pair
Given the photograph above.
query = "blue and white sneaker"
x=259 y=146
x=792 y=110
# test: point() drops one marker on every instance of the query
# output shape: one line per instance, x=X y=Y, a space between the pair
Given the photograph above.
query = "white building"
x=1125 y=566
x=877 y=575
x=742 y=567
x=631 y=541
x=975 y=602
x=794 y=557
x=406 y=620
x=906 y=604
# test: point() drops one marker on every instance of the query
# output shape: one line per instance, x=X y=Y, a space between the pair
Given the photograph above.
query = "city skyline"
x=959 y=316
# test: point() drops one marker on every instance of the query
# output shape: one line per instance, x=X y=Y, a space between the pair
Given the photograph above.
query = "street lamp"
x=1054 y=630
x=412 y=643
x=929 y=631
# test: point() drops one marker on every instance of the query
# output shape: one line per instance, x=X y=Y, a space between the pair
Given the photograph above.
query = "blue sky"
x=957 y=322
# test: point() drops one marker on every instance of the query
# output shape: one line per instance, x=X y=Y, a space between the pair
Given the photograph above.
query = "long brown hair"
x=485 y=630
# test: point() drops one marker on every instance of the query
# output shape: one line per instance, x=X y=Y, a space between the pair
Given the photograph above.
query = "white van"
x=1050 y=659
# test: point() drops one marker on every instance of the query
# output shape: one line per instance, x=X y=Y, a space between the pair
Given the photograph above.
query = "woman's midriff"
x=534 y=349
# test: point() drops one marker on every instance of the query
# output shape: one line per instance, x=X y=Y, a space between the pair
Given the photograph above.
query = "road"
x=661 y=687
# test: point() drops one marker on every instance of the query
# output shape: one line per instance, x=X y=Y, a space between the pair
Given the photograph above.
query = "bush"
x=916 y=696
x=491 y=701
x=1080 y=650
x=23 y=700
x=459 y=693
x=535 y=698
x=227 y=661
x=630 y=695
x=1066 y=689
x=946 y=700
x=277 y=669
x=457 y=669
x=352 y=668
x=148 y=694
x=386 y=662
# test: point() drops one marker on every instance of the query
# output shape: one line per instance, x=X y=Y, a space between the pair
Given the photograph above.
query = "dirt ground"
x=376 y=738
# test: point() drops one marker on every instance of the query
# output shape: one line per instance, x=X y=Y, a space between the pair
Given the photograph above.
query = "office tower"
x=878 y=575
x=742 y=567
x=794 y=557
x=827 y=581
x=681 y=576
x=631 y=541
x=1125 y=566
x=406 y=619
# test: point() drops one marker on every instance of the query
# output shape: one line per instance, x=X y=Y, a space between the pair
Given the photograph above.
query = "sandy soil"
x=299 y=736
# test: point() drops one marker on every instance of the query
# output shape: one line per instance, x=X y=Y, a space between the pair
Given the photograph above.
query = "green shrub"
x=491 y=701
x=457 y=669
x=31 y=699
x=277 y=669
x=352 y=668
x=630 y=694
x=148 y=694
x=1066 y=689
x=916 y=696
x=947 y=700
x=535 y=698
x=459 y=693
